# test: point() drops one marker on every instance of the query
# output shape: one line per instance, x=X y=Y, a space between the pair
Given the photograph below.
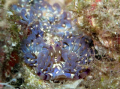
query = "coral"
x=8 y=84
x=9 y=41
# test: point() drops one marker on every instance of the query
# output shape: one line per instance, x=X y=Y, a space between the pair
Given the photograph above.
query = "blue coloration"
x=54 y=48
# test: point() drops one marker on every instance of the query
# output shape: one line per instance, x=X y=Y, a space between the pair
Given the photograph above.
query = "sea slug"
x=54 y=48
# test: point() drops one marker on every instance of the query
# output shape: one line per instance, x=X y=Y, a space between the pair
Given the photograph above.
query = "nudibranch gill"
x=54 y=48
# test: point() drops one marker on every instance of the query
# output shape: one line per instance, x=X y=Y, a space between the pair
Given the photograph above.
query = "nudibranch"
x=54 y=48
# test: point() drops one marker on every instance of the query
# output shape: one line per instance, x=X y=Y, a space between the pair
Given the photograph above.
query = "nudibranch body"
x=54 y=48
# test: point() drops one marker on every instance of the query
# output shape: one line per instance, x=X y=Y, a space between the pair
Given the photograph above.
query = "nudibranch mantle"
x=53 y=48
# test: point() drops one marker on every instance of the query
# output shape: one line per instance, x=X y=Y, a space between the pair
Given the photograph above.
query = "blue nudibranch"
x=54 y=48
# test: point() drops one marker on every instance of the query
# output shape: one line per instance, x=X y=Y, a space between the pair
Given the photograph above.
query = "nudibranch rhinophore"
x=54 y=48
